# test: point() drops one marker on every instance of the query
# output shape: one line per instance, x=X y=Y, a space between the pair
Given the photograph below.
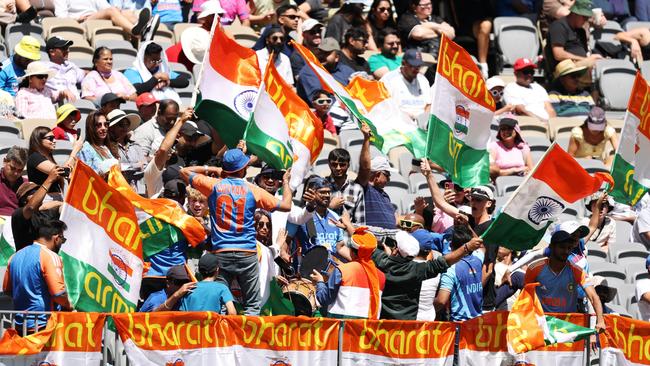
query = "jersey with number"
x=558 y=292
x=232 y=203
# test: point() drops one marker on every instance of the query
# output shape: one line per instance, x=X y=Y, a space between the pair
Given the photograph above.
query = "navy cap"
x=425 y=239
x=413 y=57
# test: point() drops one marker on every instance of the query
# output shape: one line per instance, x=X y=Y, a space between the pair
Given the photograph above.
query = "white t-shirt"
x=282 y=64
x=77 y=8
x=533 y=98
x=412 y=97
x=642 y=287
x=428 y=289
x=641 y=225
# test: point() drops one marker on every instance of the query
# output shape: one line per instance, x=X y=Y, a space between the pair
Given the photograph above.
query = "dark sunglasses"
x=41 y=76
x=339 y=163
x=263 y=224
x=49 y=138
x=323 y=101
x=277 y=38
x=528 y=72
x=381 y=10
x=291 y=17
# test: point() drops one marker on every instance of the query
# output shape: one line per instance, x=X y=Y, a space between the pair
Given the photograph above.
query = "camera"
x=65 y=173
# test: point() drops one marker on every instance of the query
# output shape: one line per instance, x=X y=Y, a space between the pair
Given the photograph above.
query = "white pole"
x=206 y=58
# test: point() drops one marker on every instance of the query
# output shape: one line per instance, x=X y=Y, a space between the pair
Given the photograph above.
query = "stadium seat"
x=516 y=37
x=615 y=274
x=397 y=180
x=8 y=130
x=561 y=126
x=623 y=231
x=645 y=68
x=107 y=33
x=537 y=143
x=416 y=182
x=406 y=203
x=615 y=79
x=85 y=63
x=76 y=38
x=28 y=29
x=596 y=255
x=79 y=52
x=321 y=167
x=635 y=24
x=622 y=311
x=163 y=35
x=28 y=125
x=180 y=27
x=405 y=163
x=48 y=23
x=508 y=184
x=606 y=34
x=633 y=309
x=114 y=44
x=346 y=135
x=93 y=24
x=84 y=105
x=593 y=165
x=624 y=293
x=7 y=143
x=129 y=107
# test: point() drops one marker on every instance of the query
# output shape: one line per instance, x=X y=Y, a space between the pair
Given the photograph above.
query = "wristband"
x=46 y=189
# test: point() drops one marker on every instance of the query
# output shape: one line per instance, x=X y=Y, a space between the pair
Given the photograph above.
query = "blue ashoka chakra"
x=244 y=102
x=544 y=208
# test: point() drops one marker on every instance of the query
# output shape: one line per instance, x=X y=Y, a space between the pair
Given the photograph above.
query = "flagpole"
x=206 y=57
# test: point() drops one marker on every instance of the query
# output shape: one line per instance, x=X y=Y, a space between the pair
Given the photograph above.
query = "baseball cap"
x=596 y=119
x=493 y=82
x=173 y=188
x=177 y=272
x=190 y=128
x=523 y=63
x=209 y=8
x=110 y=97
x=563 y=231
x=407 y=245
x=64 y=111
x=483 y=192
x=413 y=57
x=57 y=42
x=234 y=160
x=329 y=44
x=381 y=164
x=29 y=47
x=145 y=99
x=208 y=263
x=309 y=24
x=424 y=238
x=507 y=121
x=582 y=7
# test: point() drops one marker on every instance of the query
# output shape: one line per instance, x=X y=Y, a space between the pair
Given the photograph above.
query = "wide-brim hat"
x=64 y=111
x=116 y=115
x=194 y=42
x=234 y=160
x=582 y=7
x=28 y=47
x=37 y=68
x=566 y=67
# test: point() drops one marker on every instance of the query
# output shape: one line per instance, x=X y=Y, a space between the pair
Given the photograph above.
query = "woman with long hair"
x=98 y=146
x=590 y=139
x=380 y=17
x=103 y=79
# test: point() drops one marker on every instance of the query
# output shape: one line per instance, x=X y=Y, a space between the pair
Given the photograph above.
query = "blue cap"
x=424 y=238
x=234 y=160
x=647 y=263
x=413 y=57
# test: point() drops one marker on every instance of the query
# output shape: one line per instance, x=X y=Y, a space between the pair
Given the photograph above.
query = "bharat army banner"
x=625 y=342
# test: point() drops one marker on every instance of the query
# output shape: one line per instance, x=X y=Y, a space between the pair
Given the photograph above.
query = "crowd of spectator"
x=423 y=260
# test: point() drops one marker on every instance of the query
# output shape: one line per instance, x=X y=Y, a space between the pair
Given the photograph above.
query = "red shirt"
x=175 y=54
x=8 y=199
x=62 y=133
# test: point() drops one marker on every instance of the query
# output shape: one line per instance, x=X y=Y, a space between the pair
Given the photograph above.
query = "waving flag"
x=163 y=223
x=529 y=329
x=393 y=125
x=102 y=259
x=461 y=115
x=267 y=134
x=557 y=181
x=229 y=84
x=7 y=245
x=631 y=167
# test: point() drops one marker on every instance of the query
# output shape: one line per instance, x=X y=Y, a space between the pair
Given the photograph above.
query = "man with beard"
x=322 y=229
x=387 y=60
x=339 y=163
x=275 y=40
x=328 y=55
x=270 y=180
x=312 y=35
x=355 y=41
x=559 y=279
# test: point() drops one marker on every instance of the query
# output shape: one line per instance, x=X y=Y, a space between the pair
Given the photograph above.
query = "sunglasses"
x=63 y=238
x=102 y=124
x=156 y=62
x=277 y=38
x=496 y=93
x=381 y=10
x=323 y=101
x=528 y=72
x=339 y=164
x=408 y=224
x=291 y=17
x=261 y=224
x=49 y=138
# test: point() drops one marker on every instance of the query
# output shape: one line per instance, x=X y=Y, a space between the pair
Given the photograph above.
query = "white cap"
x=407 y=245
x=494 y=82
x=484 y=192
x=210 y=7
x=565 y=230
x=309 y=24
x=381 y=164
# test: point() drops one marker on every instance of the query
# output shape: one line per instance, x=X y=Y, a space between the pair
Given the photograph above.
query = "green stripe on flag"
x=626 y=190
x=512 y=233
x=117 y=277
x=467 y=167
x=266 y=148
x=415 y=141
x=157 y=236
x=228 y=124
x=6 y=251
x=89 y=290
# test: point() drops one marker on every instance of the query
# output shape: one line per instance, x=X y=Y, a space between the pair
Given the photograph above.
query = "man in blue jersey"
x=232 y=202
x=462 y=284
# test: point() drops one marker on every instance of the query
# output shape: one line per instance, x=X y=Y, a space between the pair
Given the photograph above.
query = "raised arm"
x=364 y=158
x=438 y=197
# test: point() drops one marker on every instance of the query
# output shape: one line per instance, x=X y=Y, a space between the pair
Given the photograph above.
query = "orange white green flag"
x=529 y=329
x=393 y=125
x=556 y=181
x=229 y=83
x=461 y=116
x=631 y=167
x=102 y=259
x=72 y=338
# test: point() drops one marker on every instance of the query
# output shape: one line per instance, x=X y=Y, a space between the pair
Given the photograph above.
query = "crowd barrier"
x=201 y=338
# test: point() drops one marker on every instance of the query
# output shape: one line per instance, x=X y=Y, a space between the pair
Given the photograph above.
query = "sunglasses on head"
x=323 y=101
x=408 y=224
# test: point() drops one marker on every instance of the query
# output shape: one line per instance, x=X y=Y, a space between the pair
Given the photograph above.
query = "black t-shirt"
x=37 y=176
x=21 y=229
x=572 y=40
x=317 y=10
x=406 y=23
x=357 y=64
x=491 y=250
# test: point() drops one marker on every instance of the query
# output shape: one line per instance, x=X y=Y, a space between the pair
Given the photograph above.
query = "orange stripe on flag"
x=567 y=178
x=524 y=331
x=639 y=104
x=368 y=92
x=233 y=61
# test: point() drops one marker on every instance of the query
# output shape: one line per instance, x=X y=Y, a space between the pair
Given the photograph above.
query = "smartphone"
x=390 y=242
x=66 y=172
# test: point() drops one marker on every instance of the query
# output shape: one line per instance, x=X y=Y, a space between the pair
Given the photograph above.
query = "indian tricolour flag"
x=529 y=329
x=461 y=115
x=267 y=134
x=163 y=223
x=102 y=259
x=228 y=86
x=393 y=125
x=631 y=167
x=555 y=182
x=7 y=245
